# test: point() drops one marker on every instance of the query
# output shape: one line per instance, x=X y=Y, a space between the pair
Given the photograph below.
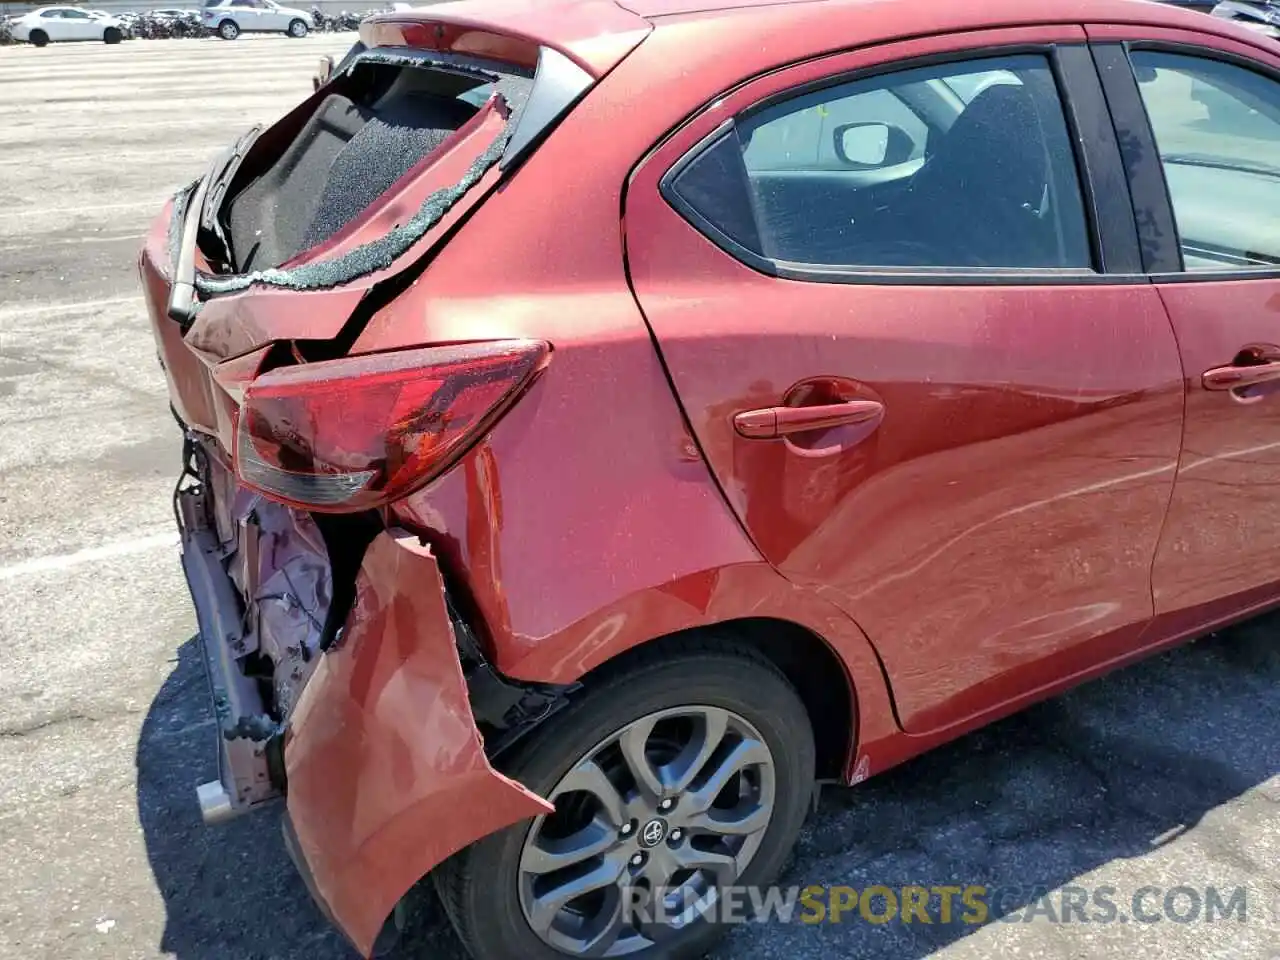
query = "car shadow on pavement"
x=1107 y=772
x=230 y=891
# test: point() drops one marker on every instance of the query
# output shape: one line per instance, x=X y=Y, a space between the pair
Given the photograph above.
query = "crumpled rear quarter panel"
x=387 y=774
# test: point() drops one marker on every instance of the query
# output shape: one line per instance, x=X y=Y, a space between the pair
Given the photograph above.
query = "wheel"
x=701 y=779
x=297 y=29
x=228 y=30
x=112 y=35
x=39 y=38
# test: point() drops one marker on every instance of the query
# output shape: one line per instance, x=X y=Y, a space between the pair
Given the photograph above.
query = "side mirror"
x=323 y=72
x=872 y=144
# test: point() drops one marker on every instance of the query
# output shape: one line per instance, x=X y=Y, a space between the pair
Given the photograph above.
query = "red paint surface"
x=1006 y=510
x=1225 y=511
x=990 y=539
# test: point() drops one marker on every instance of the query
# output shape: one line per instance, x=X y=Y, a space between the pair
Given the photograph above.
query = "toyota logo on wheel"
x=653 y=833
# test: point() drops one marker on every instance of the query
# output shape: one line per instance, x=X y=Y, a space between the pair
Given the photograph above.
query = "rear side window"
x=800 y=134
x=962 y=165
x=1217 y=127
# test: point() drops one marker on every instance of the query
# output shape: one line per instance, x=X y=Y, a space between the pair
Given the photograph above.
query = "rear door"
x=52 y=23
x=920 y=356
x=1203 y=122
x=270 y=17
x=78 y=25
x=247 y=14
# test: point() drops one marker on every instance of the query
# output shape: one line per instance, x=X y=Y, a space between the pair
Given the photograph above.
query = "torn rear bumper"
x=244 y=767
x=386 y=770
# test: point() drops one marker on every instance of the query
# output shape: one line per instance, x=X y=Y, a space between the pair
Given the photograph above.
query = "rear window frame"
x=1112 y=239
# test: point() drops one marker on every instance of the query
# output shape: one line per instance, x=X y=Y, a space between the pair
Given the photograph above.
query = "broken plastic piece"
x=369 y=257
x=258 y=728
x=370 y=821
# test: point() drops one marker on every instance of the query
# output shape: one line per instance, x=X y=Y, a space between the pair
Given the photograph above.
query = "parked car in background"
x=604 y=422
x=230 y=18
x=58 y=24
x=1264 y=17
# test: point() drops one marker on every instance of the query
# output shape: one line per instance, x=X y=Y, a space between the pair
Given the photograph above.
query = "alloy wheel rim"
x=648 y=827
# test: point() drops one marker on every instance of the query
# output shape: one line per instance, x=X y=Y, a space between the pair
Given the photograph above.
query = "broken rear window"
x=384 y=113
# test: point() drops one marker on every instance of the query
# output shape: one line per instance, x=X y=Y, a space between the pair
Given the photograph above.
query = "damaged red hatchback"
x=604 y=422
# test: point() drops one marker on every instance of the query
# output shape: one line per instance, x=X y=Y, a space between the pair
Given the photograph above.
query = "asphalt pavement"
x=1162 y=777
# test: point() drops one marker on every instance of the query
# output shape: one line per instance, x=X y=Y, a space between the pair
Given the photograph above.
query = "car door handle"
x=773 y=422
x=1239 y=377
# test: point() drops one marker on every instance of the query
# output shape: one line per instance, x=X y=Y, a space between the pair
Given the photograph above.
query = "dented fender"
x=387 y=772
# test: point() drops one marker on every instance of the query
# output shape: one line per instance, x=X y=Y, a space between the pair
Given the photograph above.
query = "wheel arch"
x=817 y=647
x=807 y=661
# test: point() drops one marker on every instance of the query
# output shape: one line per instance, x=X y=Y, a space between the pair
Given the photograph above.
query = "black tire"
x=228 y=30
x=479 y=885
x=112 y=35
x=39 y=38
x=297 y=29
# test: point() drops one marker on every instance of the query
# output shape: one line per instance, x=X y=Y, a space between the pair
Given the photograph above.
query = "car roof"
x=1020 y=11
x=598 y=33
x=666 y=8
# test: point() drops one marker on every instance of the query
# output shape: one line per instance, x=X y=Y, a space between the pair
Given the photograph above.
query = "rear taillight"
x=361 y=432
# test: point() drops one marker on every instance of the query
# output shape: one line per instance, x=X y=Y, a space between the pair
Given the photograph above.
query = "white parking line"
x=39 y=309
x=117 y=156
x=64 y=241
x=54 y=564
x=78 y=211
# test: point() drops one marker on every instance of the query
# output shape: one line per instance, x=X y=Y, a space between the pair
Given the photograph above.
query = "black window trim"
x=1112 y=234
x=1153 y=205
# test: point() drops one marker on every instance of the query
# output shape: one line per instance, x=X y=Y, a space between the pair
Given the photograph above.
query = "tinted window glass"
x=969 y=85
x=713 y=185
x=1217 y=127
x=951 y=166
x=799 y=135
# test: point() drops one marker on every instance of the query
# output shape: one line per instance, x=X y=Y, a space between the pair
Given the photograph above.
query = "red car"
x=606 y=422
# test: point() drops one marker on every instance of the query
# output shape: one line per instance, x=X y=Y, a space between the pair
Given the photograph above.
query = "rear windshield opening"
x=380 y=120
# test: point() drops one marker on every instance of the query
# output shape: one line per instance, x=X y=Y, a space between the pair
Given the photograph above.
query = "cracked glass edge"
x=372 y=256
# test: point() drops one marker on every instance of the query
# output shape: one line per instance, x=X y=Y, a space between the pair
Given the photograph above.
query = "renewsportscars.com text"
x=969 y=905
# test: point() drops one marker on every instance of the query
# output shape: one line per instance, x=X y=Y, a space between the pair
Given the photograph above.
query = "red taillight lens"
x=357 y=433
